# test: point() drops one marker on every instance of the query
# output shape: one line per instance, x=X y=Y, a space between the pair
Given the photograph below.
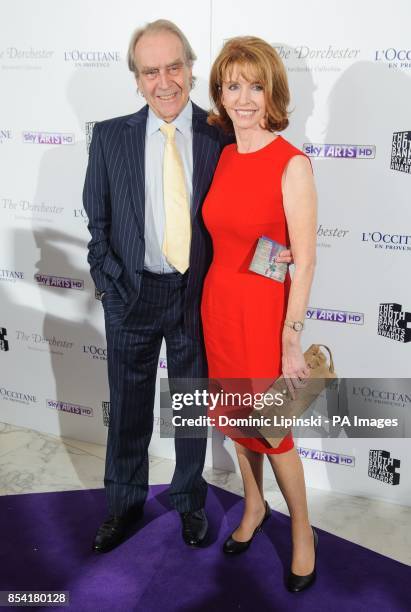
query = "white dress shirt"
x=154 y=260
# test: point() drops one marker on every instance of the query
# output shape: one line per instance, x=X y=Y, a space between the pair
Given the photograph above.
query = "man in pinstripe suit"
x=145 y=299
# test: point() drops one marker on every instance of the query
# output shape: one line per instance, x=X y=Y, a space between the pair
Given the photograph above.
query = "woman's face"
x=244 y=101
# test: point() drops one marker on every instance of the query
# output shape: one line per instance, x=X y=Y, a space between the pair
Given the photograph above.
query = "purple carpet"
x=45 y=545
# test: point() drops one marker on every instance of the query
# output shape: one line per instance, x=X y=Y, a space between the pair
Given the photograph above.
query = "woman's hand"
x=285 y=257
x=295 y=369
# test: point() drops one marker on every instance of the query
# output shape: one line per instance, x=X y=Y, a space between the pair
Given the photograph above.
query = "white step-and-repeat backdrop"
x=62 y=68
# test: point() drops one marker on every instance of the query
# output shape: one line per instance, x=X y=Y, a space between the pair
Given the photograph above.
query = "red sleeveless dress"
x=243 y=312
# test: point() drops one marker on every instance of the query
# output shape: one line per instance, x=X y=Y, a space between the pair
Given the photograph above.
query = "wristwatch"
x=295 y=325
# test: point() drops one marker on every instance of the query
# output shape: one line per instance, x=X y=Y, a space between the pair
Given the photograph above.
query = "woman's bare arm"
x=300 y=206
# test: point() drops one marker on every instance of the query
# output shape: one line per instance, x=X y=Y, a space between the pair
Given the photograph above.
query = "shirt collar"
x=183 y=122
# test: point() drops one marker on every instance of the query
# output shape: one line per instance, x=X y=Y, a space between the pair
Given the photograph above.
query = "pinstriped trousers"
x=133 y=345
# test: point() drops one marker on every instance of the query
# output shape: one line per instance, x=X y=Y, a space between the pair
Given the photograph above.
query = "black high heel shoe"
x=296 y=583
x=233 y=547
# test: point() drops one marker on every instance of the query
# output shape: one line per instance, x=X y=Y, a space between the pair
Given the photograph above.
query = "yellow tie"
x=177 y=231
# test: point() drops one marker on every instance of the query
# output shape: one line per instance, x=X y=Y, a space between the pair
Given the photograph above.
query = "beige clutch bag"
x=322 y=374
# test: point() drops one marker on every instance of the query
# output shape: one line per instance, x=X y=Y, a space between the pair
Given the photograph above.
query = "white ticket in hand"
x=263 y=261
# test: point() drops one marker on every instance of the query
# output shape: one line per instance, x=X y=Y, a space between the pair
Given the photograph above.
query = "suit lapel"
x=200 y=154
x=134 y=143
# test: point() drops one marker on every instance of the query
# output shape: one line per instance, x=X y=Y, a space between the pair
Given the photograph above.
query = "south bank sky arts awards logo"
x=401 y=152
x=61 y=282
x=383 y=467
x=334 y=316
x=69 y=408
x=339 y=151
x=4 y=343
x=394 y=322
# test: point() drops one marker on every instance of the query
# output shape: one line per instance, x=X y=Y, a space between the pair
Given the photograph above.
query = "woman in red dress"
x=263 y=186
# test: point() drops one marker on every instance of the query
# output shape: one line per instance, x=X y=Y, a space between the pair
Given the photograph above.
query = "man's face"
x=164 y=77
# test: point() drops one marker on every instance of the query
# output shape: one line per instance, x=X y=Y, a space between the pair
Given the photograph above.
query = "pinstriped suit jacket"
x=114 y=199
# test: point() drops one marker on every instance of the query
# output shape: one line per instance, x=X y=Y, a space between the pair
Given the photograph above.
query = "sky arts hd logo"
x=339 y=151
x=4 y=344
x=383 y=467
x=48 y=138
x=59 y=281
x=401 y=152
x=70 y=408
x=335 y=316
x=320 y=455
x=394 y=323
x=392 y=242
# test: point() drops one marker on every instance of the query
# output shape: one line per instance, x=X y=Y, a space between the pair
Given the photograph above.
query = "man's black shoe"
x=115 y=530
x=195 y=527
